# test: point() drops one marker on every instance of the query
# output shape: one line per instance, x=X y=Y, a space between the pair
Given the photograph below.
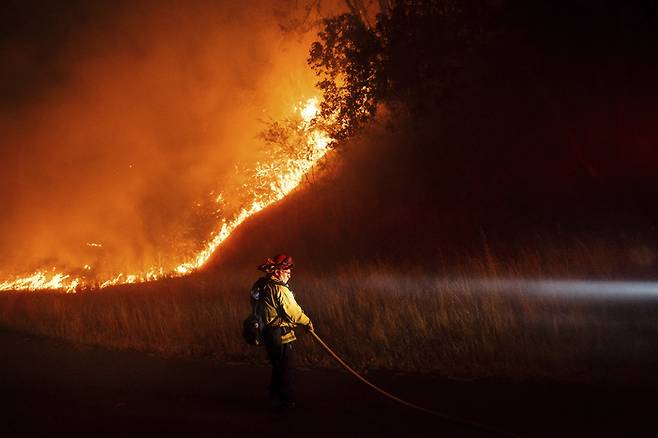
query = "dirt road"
x=51 y=388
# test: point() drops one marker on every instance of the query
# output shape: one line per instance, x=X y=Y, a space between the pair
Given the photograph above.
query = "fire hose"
x=444 y=417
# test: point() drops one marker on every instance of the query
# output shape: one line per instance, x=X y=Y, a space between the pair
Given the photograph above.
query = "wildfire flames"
x=279 y=178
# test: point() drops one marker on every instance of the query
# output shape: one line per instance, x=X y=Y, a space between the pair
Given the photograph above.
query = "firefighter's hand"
x=309 y=327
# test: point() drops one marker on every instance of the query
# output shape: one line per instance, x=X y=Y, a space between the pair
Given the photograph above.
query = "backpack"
x=252 y=330
x=253 y=325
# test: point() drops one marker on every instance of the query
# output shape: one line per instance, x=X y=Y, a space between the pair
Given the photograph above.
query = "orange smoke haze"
x=116 y=165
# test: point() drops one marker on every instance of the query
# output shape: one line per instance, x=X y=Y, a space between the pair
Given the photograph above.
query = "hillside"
x=545 y=140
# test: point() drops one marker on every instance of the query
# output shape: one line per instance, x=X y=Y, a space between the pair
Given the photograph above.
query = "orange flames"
x=279 y=177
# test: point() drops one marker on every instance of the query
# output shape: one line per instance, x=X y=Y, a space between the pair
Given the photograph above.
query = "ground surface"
x=51 y=388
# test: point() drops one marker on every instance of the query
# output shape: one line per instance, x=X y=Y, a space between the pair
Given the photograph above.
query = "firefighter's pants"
x=281 y=357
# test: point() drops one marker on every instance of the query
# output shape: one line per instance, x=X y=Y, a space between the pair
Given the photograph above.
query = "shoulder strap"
x=258 y=288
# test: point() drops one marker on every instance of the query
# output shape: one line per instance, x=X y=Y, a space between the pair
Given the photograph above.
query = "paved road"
x=51 y=388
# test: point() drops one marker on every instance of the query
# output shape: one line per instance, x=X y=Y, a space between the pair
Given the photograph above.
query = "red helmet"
x=276 y=263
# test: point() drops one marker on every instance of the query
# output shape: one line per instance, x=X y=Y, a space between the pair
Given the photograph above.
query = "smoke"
x=124 y=124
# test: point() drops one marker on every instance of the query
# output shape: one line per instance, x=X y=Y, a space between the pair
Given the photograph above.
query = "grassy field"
x=376 y=316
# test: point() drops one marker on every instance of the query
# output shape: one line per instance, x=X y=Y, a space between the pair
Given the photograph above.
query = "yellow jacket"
x=278 y=308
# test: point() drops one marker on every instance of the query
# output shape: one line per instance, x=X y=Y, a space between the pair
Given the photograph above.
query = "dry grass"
x=376 y=316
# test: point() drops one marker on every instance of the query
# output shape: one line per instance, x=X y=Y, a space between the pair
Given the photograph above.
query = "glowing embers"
x=43 y=280
x=317 y=138
x=283 y=173
x=309 y=111
x=270 y=182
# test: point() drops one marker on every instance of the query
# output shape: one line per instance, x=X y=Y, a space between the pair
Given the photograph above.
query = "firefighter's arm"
x=293 y=312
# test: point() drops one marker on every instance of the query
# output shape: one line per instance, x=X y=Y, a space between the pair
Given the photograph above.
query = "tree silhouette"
x=348 y=59
x=407 y=58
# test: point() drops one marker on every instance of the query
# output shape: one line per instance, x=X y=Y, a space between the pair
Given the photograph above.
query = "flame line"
x=316 y=140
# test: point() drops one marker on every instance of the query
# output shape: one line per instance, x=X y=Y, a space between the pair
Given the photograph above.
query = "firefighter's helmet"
x=277 y=263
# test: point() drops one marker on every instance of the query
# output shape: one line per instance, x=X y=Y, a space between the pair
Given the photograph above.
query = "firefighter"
x=276 y=304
